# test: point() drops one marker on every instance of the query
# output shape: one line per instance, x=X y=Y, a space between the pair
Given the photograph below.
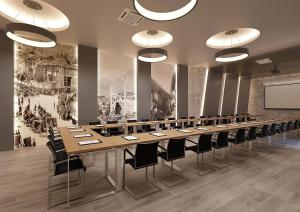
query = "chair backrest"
x=289 y=126
x=240 y=136
x=273 y=129
x=111 y=122
x=252 y=134
x=52 y=150
x=172 y=118
x=131 y=121
x=296 y=125
x=265 y=131
x=282 y=127
x=94 y=122
x=146 y=154
x=223 y=139
x=176 y=148
x=204 y=143
x=27 y=142
x=162 y=125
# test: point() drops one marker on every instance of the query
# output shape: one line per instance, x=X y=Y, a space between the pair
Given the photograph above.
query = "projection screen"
x=282 y=95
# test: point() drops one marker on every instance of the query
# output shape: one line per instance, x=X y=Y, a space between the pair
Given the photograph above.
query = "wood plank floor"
x=266 y=179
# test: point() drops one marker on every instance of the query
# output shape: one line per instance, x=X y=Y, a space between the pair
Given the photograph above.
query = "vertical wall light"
x=176 y=88
x=204 y=92
x=222 y=94
x=135 y=61
x=237 y=95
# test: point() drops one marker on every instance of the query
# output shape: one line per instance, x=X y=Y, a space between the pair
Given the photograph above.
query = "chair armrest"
x=215 y=141
x=162 y=147
x=61 y=150
x=130 y=153
x=191 y=141
x=66 y=161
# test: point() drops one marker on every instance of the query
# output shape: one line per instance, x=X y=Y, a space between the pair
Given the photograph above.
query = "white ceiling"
x=95 y=23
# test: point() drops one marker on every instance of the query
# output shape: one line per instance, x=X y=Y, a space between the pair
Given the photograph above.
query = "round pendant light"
x=233 y=38
x=34 y=12
x=152 y=39
x=164 y=16
x=231 y=55
x=152 y=55
x=30 y=35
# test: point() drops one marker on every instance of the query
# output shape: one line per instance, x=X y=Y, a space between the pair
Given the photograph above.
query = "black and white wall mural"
x=45 y=91
x=163 y=91
x=116 y=87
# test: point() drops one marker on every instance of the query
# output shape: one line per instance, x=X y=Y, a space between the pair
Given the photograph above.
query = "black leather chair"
x=172 y=125
x=209 y=122
x=204 y=145
x=162 y=125
x=146 y=127
x=174 y=151
x=272 y=131
x=114 y=131
x=281 y=129
x=224 y=120
x=251 y=135
x=191 y=124
x=239 y=137
x=60 y=162
x=181 y=125
x=146 y=154
x=130 y=128
x=94 y=122
x=221 y=142
x=289 y=127
x=263 y=133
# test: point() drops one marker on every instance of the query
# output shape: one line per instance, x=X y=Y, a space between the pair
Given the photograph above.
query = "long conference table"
x=116 y=144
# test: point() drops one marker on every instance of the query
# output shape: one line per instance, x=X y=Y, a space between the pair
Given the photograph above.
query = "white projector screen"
x=282 y=95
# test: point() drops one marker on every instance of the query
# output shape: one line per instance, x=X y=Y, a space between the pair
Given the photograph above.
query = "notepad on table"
x=82 y=136
x=81 y=143
x=99 y=125
x=220 y=126
x=156 y=121
x=140 y=122
x=185 y=131
x=73 y=127
x=77 y=130
x=130 y=138
x=201 y=128
x=157 y=134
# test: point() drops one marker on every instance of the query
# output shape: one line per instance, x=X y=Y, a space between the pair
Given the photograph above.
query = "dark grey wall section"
x=229 y=94
x=213 y=90
x=6 y=92
x=182 y=91
x=87 y=84
x=143 y=90
x=244 y=95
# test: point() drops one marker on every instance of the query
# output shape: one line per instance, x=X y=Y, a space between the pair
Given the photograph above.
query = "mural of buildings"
x=163 y=91
x=116 y=93
x=45 y=91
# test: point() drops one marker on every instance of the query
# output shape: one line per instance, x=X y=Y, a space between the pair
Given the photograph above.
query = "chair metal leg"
x=153 y=171
x=146 y=175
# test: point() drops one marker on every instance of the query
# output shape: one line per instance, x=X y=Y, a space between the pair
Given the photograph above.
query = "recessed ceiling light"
x=152 y=39
x=264 y=61
x=39 y=37
x=231 y=55
x=34 y=12
x=152 y=55
x=164 y=16
x=233 y=38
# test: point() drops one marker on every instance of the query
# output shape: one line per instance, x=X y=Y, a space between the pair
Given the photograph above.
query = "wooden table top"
x=72 y=146
x=141 y=123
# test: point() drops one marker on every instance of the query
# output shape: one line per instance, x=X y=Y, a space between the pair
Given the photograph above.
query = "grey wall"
x=87 y=84
x=6 y=92
x=143 y=90
x=257 y=98
x=244 y=95
x=229 y=94
x=182 y=91
x=213 y=90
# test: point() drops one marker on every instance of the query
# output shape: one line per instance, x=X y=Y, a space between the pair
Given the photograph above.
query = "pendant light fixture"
x=152 y=55
x=34 y=12
x=30 y=35
x=231 y=55
x=152 y=39
x=164 y=16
